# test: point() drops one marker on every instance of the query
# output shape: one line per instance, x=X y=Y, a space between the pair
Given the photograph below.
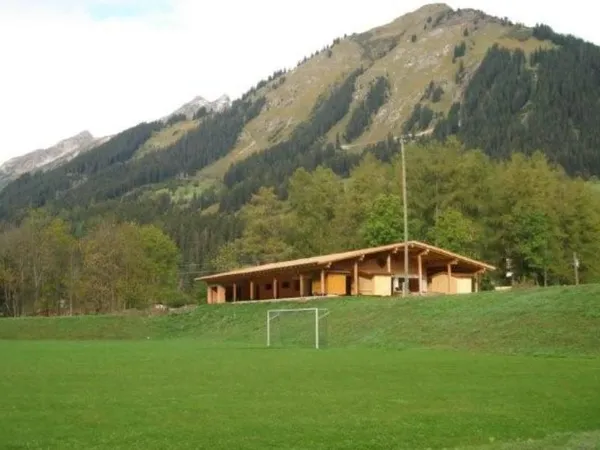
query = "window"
x=285 y=285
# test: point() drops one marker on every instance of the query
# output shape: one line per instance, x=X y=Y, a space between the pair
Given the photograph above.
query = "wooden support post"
x=420 y=261
x=251 y=290
x=478 y=279
x=356 y=279
x=449 y=278
x=301 y=285
x=274 y=288
x=323 y=287
x=209 y=295
x=420 y=268
x=234 y=292
x=389 y=263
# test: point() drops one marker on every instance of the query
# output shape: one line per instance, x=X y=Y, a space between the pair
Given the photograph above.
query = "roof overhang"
x=325 y=261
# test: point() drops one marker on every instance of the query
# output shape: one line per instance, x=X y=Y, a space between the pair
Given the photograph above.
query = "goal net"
x=301 y=327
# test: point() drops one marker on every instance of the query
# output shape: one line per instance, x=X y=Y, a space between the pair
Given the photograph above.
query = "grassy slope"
x=409 y=66
x=166 y=137
x=217 y=387
x=289 y=104
x=556 y=321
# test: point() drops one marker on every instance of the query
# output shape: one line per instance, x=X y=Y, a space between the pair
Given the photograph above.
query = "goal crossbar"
x=319 y=313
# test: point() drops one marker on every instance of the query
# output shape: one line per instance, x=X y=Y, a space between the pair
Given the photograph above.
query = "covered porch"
x=372 y=272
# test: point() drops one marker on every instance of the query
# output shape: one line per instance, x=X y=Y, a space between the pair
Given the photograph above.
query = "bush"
x=177 y=299
x=460 y=50
x=436 y=96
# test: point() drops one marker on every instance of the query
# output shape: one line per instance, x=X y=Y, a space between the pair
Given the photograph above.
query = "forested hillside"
x=548 y=100
x=307 y=162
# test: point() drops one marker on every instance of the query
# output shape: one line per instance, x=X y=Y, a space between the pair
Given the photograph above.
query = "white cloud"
x=64 y=70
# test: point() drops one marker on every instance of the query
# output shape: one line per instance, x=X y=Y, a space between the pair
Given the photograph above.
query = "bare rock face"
x=190 y=108
x=46 y=159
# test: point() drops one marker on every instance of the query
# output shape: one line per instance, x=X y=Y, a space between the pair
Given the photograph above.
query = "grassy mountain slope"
x=411 y=52
x=553 y=321
x=167 y=136
x=385 y=51
x=289 y=103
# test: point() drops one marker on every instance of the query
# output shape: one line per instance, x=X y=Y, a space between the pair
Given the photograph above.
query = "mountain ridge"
x=416 y=75
x=48 y=158
x=67 y=149
x=191 y=108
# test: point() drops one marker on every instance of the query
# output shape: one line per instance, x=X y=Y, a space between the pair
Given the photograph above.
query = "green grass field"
x=491 y=371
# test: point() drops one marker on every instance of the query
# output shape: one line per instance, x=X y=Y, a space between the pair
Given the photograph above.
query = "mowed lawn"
x=162 y=394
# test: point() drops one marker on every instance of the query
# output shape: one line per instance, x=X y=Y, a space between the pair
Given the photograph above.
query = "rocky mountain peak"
x=47 y=158
x=190 y=108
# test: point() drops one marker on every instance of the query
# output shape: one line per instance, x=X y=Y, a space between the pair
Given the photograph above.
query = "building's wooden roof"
x=316 y=262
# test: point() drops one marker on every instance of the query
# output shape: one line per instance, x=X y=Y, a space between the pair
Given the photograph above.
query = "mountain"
x=502 y=163
x=49 y=158
x=433 y=75
x=67 y=149
x=191 y=108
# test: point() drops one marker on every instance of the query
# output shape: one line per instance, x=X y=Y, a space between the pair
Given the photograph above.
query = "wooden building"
x=377 y=271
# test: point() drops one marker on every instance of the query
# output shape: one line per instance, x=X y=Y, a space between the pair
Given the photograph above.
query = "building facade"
x=377 y=271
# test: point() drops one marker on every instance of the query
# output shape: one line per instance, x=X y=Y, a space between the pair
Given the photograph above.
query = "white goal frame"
x=319 y=313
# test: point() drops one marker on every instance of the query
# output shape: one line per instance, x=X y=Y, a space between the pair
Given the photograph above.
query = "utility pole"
x=405 y=206
x=576 y=268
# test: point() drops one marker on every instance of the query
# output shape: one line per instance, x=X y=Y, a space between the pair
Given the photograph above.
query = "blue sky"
x=97 y=9
x=102 y=10
x=105 y=65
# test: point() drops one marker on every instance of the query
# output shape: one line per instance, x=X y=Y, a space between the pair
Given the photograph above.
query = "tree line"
x=120 y=255
x=520 y=103
x=48 y=267
x=523 y=210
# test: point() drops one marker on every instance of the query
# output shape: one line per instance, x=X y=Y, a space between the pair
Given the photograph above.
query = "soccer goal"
x=297 y=327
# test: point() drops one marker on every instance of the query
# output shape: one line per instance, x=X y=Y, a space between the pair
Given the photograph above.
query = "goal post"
x=315 y=315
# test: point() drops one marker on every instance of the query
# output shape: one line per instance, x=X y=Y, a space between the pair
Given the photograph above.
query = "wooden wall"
x=335 y=283
x=382 y=285
x=459 y=284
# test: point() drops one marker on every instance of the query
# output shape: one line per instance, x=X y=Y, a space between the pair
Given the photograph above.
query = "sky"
x=106 y=65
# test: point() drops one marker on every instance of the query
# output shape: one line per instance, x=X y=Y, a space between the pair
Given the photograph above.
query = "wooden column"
x=234 y=292
x=356 y=279
x=323 y=287
x=209 y=296
x=274 y=288
x=301 y=285
x=449 y=278
x=389 y=263
x=221 y=295
x=476 y=282
x=420 y=268
x=251 y=290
